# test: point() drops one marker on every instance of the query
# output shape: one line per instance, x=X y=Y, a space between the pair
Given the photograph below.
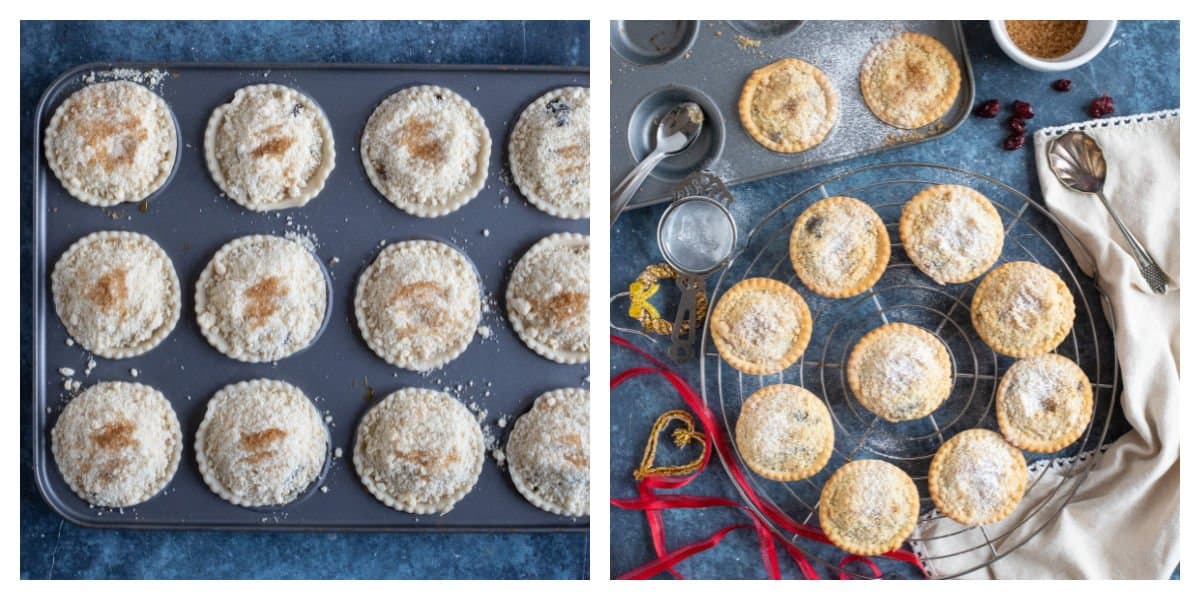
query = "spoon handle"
x=624 y=191
x=1151 y=272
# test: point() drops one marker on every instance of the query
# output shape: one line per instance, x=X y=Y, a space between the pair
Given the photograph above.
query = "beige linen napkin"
x=1123 y=522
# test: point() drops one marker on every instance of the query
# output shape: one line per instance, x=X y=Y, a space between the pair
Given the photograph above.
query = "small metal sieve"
x=697 y=236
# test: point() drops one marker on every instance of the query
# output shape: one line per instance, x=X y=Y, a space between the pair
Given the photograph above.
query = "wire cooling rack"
x=904 y=294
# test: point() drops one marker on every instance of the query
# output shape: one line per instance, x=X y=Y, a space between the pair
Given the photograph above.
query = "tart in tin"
x=419 y=451
x=909 y=80
x=112 y=142
x=549 y=152
x=117 y=444
x=788 y=106
x=548 y=451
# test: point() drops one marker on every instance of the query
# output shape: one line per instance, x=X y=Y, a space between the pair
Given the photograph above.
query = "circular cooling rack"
x=904 y=294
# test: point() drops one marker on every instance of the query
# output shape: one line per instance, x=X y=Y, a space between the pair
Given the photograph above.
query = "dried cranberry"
x=1014 y=141
x=1017 y=124
x=988 y=109
x=1101 y=106
x=1062 y=85
x=1022 y=109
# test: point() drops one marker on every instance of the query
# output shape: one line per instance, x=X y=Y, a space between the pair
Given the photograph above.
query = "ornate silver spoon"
x=1078 y=163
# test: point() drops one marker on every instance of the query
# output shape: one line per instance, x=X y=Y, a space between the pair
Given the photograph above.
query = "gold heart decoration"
x=681 y=436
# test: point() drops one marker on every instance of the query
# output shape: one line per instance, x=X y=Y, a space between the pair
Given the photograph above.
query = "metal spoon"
x=1077 y=161
x=676 y=131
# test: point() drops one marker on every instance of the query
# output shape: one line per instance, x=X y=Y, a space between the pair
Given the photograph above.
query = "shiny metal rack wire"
x=905 y=294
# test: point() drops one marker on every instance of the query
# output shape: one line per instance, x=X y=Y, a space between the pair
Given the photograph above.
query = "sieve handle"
x=683 y=334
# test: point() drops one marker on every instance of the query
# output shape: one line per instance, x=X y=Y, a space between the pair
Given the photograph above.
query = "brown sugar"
x=566 y=305
x=1046 y=39
x=110 y=290
x=115 y=435
x=419 y=139
x=275 y=146
x=264 y=300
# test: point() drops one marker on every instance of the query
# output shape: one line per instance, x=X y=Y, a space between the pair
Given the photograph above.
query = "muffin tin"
x=657 y=64
x=348 y=222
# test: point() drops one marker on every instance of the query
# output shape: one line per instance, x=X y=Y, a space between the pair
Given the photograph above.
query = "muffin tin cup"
x=703 y=153
x=191 y=220
x=652 y=43
x=761 y=30
x=41 y=150
x=325 y=318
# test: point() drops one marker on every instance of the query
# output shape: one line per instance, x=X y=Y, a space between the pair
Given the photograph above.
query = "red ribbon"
x=853 y=558
x=653 y=504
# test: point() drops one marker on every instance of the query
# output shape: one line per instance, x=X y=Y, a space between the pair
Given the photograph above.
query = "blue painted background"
x=52 y=548
x=1139 y=69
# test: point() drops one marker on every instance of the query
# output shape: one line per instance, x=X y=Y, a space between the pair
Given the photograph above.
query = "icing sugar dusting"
x=906 y=365
x=978 y=474
x=985 y=478
x=1026 y=306
x=1035 y=385
x=962 y=233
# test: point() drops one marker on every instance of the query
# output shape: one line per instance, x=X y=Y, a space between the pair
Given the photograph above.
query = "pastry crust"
x=547 y=298
x=116 y=293
x=839 y=247
x=900 y=372
x=909 y=80
x=549 y=152
x=117 y=444
x=269 y=148
x=548 y=453
x=788 y=106
x=261 y=298
x=112 y=142
x=419 y=451
x=418 y=304
x=952 y=233
x=869 y=507
x=785 y=433
x=761 y=326
x=1044 y=403
x=1022 y=309
x=261 y=443
x=977 y=478
x=426 y=149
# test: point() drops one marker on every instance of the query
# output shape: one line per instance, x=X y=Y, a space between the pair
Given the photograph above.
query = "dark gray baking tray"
x=348 y=220
x=656 y=64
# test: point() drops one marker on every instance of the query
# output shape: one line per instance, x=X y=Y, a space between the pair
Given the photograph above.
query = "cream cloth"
x=1123 y=522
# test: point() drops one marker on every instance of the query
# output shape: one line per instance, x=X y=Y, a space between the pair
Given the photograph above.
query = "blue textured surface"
x=51 y=547
x=1139 y=69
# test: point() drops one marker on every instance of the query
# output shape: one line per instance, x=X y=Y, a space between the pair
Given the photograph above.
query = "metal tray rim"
x=38 y=295
x=969 y=79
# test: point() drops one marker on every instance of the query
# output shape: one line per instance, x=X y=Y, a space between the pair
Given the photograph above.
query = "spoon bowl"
x=1077 y=161
x=679 y=128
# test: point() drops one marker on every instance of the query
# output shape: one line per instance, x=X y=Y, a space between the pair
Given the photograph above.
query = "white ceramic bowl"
x=1095 y=38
